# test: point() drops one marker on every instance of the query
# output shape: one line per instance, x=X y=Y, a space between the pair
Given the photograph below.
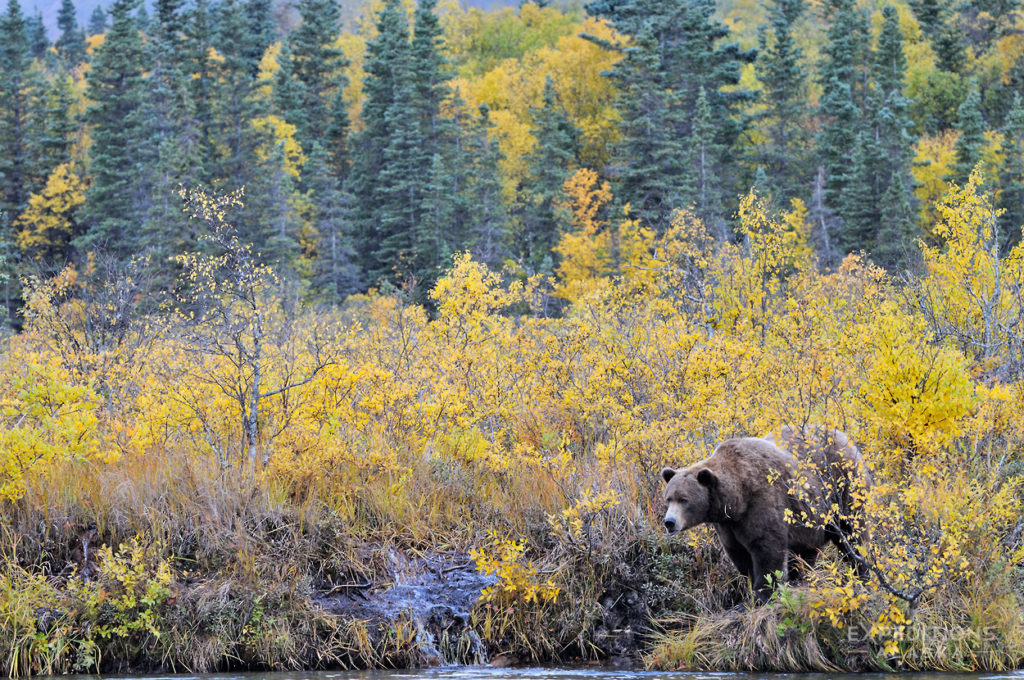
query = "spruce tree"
x=203 y=82
x=71 y=43
x=386 y=65
x=317 y=68
x=336 y=274
x=677 y=48
x=114 y=205
x=1011 y=178
x=15 y=111
x=171 y=157
x=429 y=73
x=488 y=221
x=259 y=34
x=780 y=68
x=142 y=18
x=38 y=41
x=232 y=103
x=895 y=142
x=703 y=157
x=972 y=136
x=552 y=160
x=58 y=128
x=842 y=97
x=97 y=21
x=401 y=250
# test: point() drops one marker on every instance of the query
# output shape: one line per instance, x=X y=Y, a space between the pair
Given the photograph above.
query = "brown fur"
x=745 y=487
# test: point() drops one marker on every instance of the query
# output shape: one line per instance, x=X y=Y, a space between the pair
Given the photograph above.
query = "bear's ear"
x=667 y=474
x=707 y=478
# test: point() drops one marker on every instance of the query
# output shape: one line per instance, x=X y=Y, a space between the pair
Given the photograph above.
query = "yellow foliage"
x=280 y=142
x=48 y=223
x=518 y=579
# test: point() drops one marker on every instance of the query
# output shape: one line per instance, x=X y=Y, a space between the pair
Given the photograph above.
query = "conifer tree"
x=38 y=41
x=317 y=68
x=649 y=160
x=676 y=49
x=97 y=21
x=71 y=43
x=858 y=205
x=972 y=136
x=894 y=240
x=259 y=33
x=488 y=223
x=201 y=69
x=142 y=18
x=232 y=104
x=386 y=66
x=57 y=129
x=171 y=155
x=1011 y=178
x=704 y=155
x=336 y=273
x=550 y=163
x=429 y=72
x=780 y=68
x=842 y=97
x=15 y=111
x=114 y=205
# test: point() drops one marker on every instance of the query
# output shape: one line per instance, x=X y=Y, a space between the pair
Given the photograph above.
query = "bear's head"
x=687 y=498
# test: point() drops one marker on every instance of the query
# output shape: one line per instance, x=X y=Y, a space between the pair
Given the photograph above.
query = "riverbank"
x=265 y=484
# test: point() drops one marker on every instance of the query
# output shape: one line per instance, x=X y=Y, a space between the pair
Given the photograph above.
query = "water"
x=596 y=673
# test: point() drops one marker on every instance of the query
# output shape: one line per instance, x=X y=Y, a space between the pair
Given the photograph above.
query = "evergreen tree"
x=488 y=220
x=171 y=157
x=704 y=153
x=38 y=41
x=1011 y=179
x=71 y=43
x=317 y=68
x=894 y=240
x=402 y=250
x=676 y=49
x=287 y=93
x=15 y=111
x=949 y=48
x=550 y=163
x=429 y=73
x=780 y=68
x=386 y=66
x=336 y=274
x=842 y=97
x=114 y=204
x=58 y=129
x=233 y=106
x=972 y=136
x=142 y=18
x=259 y=34
x=858 y=204
x=270 y=216
x=201 y=69
x=97 y=21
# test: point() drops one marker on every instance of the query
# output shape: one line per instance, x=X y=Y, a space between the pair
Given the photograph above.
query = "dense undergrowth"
x=240 y=455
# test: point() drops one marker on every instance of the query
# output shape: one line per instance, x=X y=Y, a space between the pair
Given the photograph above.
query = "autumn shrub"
x=260 y=452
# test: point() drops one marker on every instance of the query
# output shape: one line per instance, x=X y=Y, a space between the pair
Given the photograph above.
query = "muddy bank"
x=434 y=597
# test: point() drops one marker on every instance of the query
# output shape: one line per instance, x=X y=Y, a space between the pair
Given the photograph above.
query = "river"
x=597 y=673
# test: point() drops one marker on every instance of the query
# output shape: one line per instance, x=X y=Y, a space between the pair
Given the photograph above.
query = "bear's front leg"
x=768 y=561
x=735 y=550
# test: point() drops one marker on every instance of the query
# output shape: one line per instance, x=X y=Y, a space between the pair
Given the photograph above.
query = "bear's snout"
x=670 y=525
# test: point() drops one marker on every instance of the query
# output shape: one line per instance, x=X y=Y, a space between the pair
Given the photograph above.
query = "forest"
x=301 y=300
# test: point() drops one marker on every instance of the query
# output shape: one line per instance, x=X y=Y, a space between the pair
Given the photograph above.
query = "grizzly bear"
x=769 y=503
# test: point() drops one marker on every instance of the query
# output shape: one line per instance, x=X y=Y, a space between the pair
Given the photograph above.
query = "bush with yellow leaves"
x=294 y=437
